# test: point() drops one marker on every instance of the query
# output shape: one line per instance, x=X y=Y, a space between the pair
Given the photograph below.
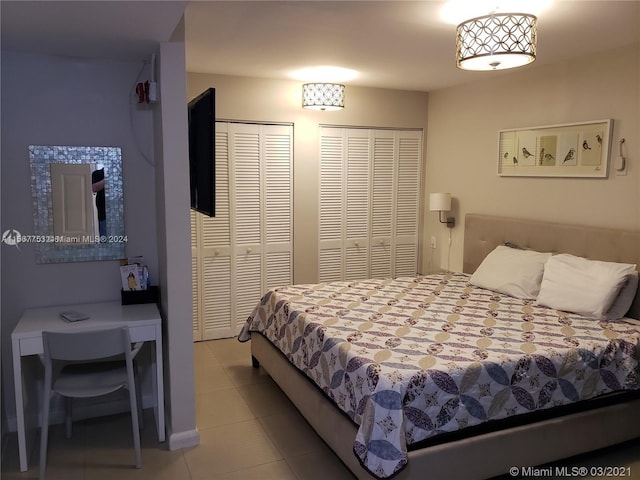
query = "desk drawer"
x=30 y=345
x=142 y=333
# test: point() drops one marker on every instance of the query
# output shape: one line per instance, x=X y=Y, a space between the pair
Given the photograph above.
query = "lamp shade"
x=323 y=96
x=496 y=42
x=440 y=202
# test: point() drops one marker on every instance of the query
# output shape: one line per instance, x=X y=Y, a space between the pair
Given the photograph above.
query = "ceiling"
x=391 y=44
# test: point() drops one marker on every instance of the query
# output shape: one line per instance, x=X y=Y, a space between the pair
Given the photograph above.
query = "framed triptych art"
x=570 y=150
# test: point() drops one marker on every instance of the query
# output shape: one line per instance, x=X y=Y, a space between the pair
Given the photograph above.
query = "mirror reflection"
x=78 y=203
x=97 y=187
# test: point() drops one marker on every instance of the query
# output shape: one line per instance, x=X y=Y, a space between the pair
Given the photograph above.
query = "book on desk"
x=73 y=316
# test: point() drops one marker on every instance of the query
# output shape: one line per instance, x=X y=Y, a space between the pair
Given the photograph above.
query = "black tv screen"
x=202 y=152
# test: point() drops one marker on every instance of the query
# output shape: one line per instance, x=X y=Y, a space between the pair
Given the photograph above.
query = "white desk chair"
x=93 y=373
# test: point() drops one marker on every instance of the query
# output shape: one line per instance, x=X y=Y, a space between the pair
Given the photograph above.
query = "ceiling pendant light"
x=496 y=42
x=323 y=96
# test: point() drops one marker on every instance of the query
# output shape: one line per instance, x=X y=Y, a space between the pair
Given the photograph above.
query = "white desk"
x=144 y=324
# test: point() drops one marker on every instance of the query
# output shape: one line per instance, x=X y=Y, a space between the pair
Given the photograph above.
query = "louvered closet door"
x=262 y=171
x=382 y=202
x=356 y=216
x=247 y=247
x=332 y=159
x=278 y=206
x=211 y=255
x=344 y=204
x=369 y=188
x=407 y=198
x=246 y=205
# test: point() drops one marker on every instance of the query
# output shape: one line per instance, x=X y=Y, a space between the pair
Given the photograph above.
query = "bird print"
x=541 y=155
x=599 y=139
x=526 y=152
x=548 y=157
x=569 y=156
x=506 y=155
x=515 y=161
x=585 y=145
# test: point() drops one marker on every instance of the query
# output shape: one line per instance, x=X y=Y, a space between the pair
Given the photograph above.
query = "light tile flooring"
x=248 y=430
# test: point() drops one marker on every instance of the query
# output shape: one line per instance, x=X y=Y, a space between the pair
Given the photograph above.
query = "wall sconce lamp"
x=323 y=96
x=441 y=202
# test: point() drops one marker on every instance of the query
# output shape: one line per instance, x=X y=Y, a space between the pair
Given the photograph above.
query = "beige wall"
x=461 y=141
x=240 y=98
x=462 y=144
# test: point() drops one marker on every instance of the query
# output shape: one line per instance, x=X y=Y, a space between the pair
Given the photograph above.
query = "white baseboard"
x=189 y=438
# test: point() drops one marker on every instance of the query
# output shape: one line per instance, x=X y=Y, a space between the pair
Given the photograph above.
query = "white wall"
x=242 y=98
x=49 y=100
x=172 y=181
x=462 y=144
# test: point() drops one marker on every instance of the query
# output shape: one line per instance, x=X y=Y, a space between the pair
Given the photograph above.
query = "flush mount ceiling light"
x=323 y=96
x=496 y=42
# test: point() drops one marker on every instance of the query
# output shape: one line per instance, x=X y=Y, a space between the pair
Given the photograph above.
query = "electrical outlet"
x=433 y=241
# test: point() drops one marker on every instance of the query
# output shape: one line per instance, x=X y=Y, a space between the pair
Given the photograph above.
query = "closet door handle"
x=249 y=250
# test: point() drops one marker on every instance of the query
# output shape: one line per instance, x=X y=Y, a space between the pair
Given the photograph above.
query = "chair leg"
x=135 y=426
x=67 y=416
x=136 y=376
x=44 y=431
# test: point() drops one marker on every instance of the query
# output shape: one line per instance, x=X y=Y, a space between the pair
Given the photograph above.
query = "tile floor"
x=248 y=430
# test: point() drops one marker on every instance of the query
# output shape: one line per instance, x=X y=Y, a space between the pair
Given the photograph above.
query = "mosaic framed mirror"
x=78 y=204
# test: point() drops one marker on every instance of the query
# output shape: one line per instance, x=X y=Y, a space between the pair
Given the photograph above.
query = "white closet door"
x=369 y=188
x=211 y=252
x=262 y=171
x=246 y=179
x=407 y=200
x=331 y=205
x=356 y=194
x=278 y=206
x=247 y=247
x=382 y=202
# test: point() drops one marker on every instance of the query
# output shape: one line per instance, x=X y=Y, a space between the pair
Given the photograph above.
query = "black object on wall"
x=202 y=152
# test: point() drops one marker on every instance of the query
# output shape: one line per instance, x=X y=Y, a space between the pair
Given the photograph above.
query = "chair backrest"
x=87 y=344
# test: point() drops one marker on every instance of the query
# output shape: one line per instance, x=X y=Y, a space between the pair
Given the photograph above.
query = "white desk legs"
x=158 y=385
x=17 y=385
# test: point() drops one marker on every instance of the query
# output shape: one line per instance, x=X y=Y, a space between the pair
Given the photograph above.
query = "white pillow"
x=623 y=301
x=586 y=287
x=511 y=271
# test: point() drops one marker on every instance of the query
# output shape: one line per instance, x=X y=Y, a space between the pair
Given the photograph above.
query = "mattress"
x=408 y=359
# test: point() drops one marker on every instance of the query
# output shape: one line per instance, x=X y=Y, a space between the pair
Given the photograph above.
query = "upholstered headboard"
x=482 y=233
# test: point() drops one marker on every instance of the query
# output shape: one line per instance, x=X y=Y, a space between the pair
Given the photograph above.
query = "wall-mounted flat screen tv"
x=202 y=152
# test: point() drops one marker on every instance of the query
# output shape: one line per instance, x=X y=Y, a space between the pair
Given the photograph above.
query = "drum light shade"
x=441 y=202
x=496 y=42
x=323 y=96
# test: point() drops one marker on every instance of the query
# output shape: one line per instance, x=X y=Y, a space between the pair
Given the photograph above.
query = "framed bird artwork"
x=567 y=150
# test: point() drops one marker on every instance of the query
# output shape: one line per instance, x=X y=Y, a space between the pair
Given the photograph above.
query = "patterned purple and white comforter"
x=409 y=358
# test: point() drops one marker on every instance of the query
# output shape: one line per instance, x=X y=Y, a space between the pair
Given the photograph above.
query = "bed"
x=425 y=394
